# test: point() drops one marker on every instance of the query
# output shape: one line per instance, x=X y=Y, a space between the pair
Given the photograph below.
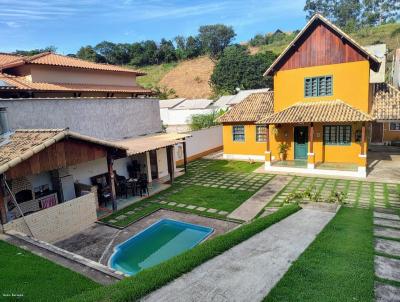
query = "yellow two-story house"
x=316 y=119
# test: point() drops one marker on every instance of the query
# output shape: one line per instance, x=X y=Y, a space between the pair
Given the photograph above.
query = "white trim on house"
x=361 y=173
x=244 y=157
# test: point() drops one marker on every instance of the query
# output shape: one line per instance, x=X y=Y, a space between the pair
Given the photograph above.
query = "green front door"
x=300 y=142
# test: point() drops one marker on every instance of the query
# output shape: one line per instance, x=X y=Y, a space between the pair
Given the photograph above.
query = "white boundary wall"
x=202 y=142
x=60 y=221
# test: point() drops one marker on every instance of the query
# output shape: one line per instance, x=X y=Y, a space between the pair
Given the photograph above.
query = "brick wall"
x=60 y=221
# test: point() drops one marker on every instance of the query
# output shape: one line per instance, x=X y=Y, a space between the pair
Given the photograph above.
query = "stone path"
x=360 y=194
x=248 y=271
x=251 y=207
x=387 y=248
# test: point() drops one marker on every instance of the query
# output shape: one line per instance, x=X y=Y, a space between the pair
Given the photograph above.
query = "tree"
x=238 y=69
x=166 y=52
x=89 y=54
x=215 y=38
x=164 y=93
x=35 y=51
x=205 y=120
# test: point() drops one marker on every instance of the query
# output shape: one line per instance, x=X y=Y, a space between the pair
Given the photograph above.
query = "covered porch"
x=325 y=138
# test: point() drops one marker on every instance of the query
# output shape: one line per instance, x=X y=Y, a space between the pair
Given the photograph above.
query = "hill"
x=190 y=78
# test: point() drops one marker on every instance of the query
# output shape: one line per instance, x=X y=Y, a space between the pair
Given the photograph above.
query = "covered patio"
x=322 y=137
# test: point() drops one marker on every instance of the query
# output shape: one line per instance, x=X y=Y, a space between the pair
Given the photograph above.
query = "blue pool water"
x=159 y=242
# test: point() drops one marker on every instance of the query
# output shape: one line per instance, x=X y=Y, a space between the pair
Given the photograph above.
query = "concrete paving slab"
x=387 y=222
x=386 y=293
x=389 y=247
x=386 y=232
x=201 y=209
x=387 y=268
x=386 y=216
x=251 y=207
x=248 y=271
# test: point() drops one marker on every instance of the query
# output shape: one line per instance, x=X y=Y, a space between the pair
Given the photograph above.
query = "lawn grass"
x=231 y=166
x=221 y=199
x=154 y=74
x=148 y=280
x=37 y=279
x=337 y=266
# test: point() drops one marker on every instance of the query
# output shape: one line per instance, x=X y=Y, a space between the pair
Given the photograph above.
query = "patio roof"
x=24 y=143
x=151 y=142
x=386 y=103
x=322 y=111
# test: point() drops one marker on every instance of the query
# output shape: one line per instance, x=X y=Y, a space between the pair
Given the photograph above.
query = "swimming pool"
x=159 y=242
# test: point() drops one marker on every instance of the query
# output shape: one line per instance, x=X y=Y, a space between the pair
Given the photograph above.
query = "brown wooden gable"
x=320 y=46
x=62 y=154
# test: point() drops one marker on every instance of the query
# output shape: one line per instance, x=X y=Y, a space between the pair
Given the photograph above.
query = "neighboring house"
x=396 y=69
x=227 y=101
x=176 y=114
x=322 y=104
x=52 y=75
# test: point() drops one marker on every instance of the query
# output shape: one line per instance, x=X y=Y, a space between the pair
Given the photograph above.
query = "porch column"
x=184 y=155
x=111 y=176
x=362 y=162
x=148 y=167
x=170 y=159
x=3 y=214
x=311 y=155
x=268 y=151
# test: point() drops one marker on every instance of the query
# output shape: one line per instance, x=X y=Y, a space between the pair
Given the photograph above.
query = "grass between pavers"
x=148 y=280
x=337 y=266
x=213 y=165
x=33 y=278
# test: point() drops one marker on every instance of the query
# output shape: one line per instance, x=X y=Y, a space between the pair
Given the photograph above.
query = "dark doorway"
x=153 y=164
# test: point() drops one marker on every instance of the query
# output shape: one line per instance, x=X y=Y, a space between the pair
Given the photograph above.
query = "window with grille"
x=318 y=86
x=238 y=133
x=261 y=133
x=395 y=126
x=337 y=135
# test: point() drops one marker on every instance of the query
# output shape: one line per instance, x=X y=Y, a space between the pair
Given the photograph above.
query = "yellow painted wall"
x=323 y=153
x=350 y=84
x=248 y=147
x=389 y=135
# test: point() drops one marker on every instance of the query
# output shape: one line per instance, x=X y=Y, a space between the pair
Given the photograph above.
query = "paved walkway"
x=387 y=263
x=248 y=271
x=251 y=207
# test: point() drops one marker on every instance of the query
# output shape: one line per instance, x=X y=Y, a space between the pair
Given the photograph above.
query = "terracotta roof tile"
x=48 y=58
x=251 y=109
x=386 y=103
x=20 y=83
x=6 y=58
x=24 y=143
x=322 y=112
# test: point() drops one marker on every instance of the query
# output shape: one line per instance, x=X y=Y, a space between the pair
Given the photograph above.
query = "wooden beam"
x=362 y=138
x=111 y=178
x=184 y=156
x=3 y=211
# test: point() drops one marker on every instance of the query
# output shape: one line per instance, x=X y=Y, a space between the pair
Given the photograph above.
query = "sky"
x=70 y=24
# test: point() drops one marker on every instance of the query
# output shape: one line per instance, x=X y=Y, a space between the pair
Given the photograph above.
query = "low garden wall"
x=60 y=221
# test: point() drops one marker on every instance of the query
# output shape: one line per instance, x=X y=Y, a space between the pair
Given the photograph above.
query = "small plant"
x=337 y=197
x=198 y=80
x=282 y=148
x=311 y=194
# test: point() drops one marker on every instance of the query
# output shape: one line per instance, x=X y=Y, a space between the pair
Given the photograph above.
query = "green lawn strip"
x=37 y=279
x=337 y=266
x=214 y=165
x=221 y=199
x=388 y=282
x=386 y=196
x=387 y=238
x=371 y=195
x=387 y=255
x=134 y=288
x=358 y=194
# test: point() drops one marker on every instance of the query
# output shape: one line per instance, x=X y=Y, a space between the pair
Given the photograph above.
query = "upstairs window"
x=318 y=86
x=238 y=133
x=261 y=133
x=337 y=135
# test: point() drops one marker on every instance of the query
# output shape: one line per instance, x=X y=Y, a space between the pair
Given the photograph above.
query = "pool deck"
x=98 y=241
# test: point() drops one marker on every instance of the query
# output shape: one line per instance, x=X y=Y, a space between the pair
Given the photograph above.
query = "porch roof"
x=151 y=142
x=386 y=103
x=320 y=111
x=24 y=143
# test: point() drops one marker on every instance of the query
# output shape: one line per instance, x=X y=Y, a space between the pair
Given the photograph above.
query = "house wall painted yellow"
x=350 y=84
x=248 y=147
